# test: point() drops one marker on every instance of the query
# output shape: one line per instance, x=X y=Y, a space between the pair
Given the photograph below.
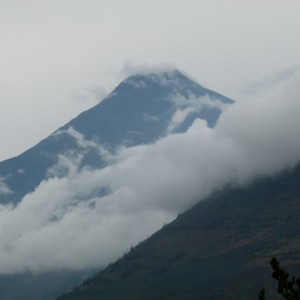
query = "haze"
x=58 y=58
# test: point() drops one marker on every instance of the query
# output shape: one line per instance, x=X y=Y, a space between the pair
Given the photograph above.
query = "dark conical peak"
x=140 y=110
x=159 y=76
x=164 y=82
x=171 y=79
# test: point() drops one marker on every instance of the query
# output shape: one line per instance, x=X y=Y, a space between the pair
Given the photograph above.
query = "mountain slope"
x=219 y=249
x=140 y=110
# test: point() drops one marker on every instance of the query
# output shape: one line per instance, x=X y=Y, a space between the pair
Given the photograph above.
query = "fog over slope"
x=145 y=186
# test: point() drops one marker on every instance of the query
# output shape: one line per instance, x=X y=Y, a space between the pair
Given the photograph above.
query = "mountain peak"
x=140 y=110
x=163 y=78
x=167 y=73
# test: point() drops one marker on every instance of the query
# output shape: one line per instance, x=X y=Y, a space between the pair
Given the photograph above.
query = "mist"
x=91 y=217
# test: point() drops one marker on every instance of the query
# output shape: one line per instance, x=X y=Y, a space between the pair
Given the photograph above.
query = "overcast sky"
x=59 y=57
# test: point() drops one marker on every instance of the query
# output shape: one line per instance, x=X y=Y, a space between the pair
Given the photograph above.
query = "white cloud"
x=146 y=186
x=4 y=189
x=265 y=129
x=131 y=69
x=83 y=143
x=268 y=82
x=161 y=74
x=78 y=137
x=137 y=84
x=90 y=95
x=151 y=118
x=187 y=105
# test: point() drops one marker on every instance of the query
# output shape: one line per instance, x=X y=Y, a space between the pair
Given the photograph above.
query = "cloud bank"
x=145 y=186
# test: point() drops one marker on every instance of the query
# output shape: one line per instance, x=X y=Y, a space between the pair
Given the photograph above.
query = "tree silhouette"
x=289 y=289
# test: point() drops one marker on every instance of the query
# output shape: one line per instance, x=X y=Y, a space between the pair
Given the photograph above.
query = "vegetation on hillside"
x=288 y=288
x=216 y=250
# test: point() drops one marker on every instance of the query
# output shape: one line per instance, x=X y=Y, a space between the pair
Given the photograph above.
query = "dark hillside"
x=219 y=249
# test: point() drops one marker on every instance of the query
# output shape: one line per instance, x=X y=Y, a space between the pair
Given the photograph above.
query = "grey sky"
x=58 y=57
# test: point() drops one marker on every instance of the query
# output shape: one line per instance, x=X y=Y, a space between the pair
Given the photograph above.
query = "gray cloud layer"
x=148 y=185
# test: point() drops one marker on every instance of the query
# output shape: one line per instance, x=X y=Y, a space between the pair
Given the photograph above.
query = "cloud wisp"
x=4 y=189
x=189 y=104
x=90 y=217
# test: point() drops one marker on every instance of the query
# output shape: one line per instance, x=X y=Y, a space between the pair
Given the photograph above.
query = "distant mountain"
x=140 y=110
x=219 y=249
